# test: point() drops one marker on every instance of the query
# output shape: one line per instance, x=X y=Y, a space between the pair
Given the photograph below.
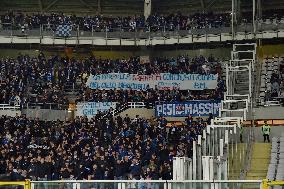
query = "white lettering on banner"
x=194 y=108
x=163 y=81
x=90 y=109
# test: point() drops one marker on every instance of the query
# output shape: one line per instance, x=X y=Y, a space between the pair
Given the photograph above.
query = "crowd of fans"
x=281 y=80
x=99 y=149
x=154 y=22
x=181 y=64
x=100 y=23
x=44 y=80
x=13 y=77
x=24 y=75
x=149 y=96
x=269 y=17
x=275 y=85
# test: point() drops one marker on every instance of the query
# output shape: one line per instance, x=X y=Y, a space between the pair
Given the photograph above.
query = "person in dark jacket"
x=166 y=172
x=97 y=173
x=118 y=170
x=135 y=169
x=126 y=166
x=41 y=169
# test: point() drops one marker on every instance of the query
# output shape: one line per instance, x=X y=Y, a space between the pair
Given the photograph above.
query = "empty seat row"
x=276 y=166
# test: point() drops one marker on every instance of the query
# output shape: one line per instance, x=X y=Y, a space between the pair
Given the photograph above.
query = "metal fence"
x=8 y=29
x=50 y=106
x=147 y=184
x=9 y=107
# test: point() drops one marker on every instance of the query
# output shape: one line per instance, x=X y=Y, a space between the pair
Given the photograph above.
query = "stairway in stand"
x=237 y=161
x=242 y=83
x=259 y=161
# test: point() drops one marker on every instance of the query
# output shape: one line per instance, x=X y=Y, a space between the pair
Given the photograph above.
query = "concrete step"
x=237 y=161
x=259 y=161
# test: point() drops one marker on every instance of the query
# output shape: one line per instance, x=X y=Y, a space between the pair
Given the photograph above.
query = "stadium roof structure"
x=131 y=7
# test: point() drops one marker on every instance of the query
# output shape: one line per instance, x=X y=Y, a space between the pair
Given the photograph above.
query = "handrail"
x=49 y=105
x=266 y=183
x=150 y=181
x=26 y=183
x=30 y=184
x=126 y=106
x=9 y=107
x=122 y=32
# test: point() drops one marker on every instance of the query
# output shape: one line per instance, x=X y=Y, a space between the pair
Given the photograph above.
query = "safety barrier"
x=138 y=36
x=9 y=107
x=128 y=105
x=50 y=106
x=153 y=184
x=267 y=183
x=10 y=110
x=25 y=184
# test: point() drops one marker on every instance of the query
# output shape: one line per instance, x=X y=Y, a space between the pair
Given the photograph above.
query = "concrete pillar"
x=147 y=8
x=259 y=9
x=238 y=11
x=99 y=11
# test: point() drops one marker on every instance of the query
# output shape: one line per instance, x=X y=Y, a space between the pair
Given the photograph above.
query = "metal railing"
x=8 y=29
x=50 y=106
x=16 y=184
x=122 y=107
x=149 y=184
x=9 y=107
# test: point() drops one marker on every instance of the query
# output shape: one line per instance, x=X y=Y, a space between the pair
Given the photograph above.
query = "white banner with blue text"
x=90 y=109
x=163 y=81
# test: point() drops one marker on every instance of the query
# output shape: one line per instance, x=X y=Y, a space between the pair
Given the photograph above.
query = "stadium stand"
x=182 y=64
x=40 y=82
x=20 y=75
x=165 y=114
x=99 y=23
x=98 y=149
x=271 y=81
x=154 y=23
x=41 y=79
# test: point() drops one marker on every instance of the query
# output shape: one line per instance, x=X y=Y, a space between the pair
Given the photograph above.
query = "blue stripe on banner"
x=183 y=109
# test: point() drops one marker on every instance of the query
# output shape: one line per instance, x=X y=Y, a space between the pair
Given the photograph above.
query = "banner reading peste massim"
x=183 y=109
x=162 y=81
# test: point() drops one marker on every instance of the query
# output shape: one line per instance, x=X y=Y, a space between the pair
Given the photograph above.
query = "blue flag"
x=63 y=30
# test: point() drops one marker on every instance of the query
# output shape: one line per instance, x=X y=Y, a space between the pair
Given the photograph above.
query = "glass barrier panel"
x=144 y=184
x=11 y=187
x=237 y=185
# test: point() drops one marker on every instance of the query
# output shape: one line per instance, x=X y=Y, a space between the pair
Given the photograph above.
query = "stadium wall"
x=270 y=50
x=11 y=113
x=47 y=114
x=222 y=53
x=142 y=112
x=269 y=112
